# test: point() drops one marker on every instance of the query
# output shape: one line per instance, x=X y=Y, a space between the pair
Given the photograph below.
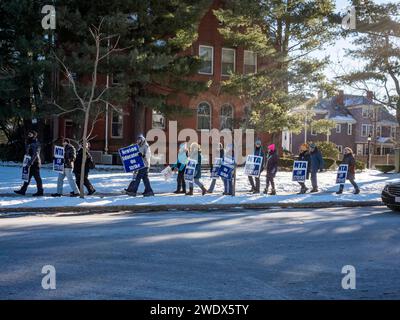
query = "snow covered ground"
x=110 y=185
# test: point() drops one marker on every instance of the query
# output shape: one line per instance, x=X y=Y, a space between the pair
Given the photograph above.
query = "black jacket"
x=32 y=149
x=272 y=163
x=260 y=153
x=349 y=159
x=78 y=162
x=69 y=156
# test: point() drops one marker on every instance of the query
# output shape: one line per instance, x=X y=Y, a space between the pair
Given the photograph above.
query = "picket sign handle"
x=234 y=183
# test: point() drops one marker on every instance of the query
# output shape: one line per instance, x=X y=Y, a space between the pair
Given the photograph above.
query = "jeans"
x=228 y=186
x=255 y=186
x=270 y=181
x=60 y=182
x=212 y=185
x=352 y=182
x=314 y=181
x=196 y=181
x=143 y=174
x=181 y=181
x=34 y=171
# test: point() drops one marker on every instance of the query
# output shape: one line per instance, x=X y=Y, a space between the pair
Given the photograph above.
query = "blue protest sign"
x=225 y=171
x=131 y=159
x=190 y=170
x=58 y=159
x=214 y=172
x=342 y=174
x=299 y=171
x=253 y=166
x=26 y=164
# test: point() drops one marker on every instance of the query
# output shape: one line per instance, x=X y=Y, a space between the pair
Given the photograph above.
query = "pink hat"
x=271 y=147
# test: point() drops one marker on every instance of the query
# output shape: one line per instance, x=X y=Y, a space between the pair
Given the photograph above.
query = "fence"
x=378 y=159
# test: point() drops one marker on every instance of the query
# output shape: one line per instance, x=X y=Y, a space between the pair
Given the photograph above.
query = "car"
x=391 y=196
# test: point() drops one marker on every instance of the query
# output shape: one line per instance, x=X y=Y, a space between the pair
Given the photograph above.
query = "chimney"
x=340 y=98
x=370 y=95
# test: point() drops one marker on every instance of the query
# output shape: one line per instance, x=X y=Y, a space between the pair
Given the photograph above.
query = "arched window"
x=226 y=117
x=204 y=116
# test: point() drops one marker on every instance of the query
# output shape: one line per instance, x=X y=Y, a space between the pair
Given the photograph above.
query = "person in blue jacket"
x=258 y=151
x=180 y=166
x=195 y=154
x=220 y=153
x=317 y=164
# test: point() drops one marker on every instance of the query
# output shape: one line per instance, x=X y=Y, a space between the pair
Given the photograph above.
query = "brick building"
x=209 y=110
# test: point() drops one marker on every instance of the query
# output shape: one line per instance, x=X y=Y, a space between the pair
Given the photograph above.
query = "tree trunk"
x=84 y=150
x=139 y=119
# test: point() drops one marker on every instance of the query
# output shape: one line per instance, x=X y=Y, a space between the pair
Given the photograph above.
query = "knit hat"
x=271 y=147
x=304 y=147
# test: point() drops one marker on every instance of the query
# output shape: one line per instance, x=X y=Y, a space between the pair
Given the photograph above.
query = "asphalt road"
x=266 y=254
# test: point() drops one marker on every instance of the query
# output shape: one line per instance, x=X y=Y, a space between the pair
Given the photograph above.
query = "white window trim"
x=393 y=132
x=212 y=59
x=349 y=129
x=338 y=126
x=340 y=148
x=233 y=115
x=197 y=116
x=152 y=123
x=378 y=128
x=122 y=125
x=234 y=60
x=256 y=60
x=369 y=131
x=312 y=132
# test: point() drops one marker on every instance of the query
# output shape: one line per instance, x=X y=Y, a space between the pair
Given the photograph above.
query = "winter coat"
x=197 y=173
x=305 y=156
x=272 y=164
x=349 y=159
x=317 y=162
x=32 y=149
x=260 y=153
x=181 y=162
x=144 y=150
x=69 y=156
x=78 y=162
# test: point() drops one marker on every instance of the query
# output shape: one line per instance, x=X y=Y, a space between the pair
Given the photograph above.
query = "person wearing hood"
x=228 y=184
x=258 y=151
x=220 y=153
x=317 y=164
x=271 y=165
x=142 y=174
x=195 y=154
x=304 y=155
x=180 y=166
x=32 y=149
x=348 y=159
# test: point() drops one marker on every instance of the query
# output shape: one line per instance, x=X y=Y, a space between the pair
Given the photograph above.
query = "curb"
x=177 y=207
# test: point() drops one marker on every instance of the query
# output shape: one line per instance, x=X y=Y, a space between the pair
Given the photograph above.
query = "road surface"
x=265 y=254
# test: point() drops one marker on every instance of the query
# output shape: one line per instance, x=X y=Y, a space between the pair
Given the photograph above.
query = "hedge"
x=328 y=163
x=385 y=168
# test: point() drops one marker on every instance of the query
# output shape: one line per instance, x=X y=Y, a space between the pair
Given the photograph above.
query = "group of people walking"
x=270 y=158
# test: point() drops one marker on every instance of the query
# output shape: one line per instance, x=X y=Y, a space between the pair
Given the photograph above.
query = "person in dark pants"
x=32 y=149
x=317 y=164
x=180 y=166
x=142 y=174
x=88 y=166
x=272 y=168
x=304 y=155
x=220 y=153
x=348 y=159
x=195 y=154
x=258 y=151
x=228 y=183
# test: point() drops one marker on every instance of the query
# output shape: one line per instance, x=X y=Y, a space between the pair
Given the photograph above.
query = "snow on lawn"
x=111 y=184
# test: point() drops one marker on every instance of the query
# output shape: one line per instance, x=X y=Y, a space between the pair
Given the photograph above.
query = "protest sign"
x=299 y=171
x=131 y=159
x=253 y=166
x=342 y=174
x=58 y=159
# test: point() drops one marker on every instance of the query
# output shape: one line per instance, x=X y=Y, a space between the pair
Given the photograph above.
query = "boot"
x=203 y=191
x=148 y=194
x=314 y=190
x=190 y=193
x=177 y=191
x=266 y=191
x=340 y=191
x=357 y=191
x=22 y=191
x=92 y=191
x=38 y=194
x=303 y=190
x=273 y=192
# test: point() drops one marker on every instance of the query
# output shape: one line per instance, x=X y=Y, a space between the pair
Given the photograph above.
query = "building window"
x=360 y=149
x=250 y=62
x=393 y=132
x=116 y=79
x=158 y=120
x=226 y=117
x=340 y=148
x=313 y=132
x=367 y=112
x=378 y=131
x=206 y=55
x=349 y=129
x=117 y=123
x=366 y=129
x=228 y=61
x=68 y=129
x=204 y=116
x=338 y=128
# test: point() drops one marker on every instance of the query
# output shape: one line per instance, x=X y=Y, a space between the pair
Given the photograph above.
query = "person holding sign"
x=317 y=164
x=215 y=166
x=195 y=154
x=32 y=150
x=180 y=166
x=69 y=159
x=348 y=159
x=258 y=151
x=228 y=162
x=143 y=173
x=305 y=156
x=272 y=168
